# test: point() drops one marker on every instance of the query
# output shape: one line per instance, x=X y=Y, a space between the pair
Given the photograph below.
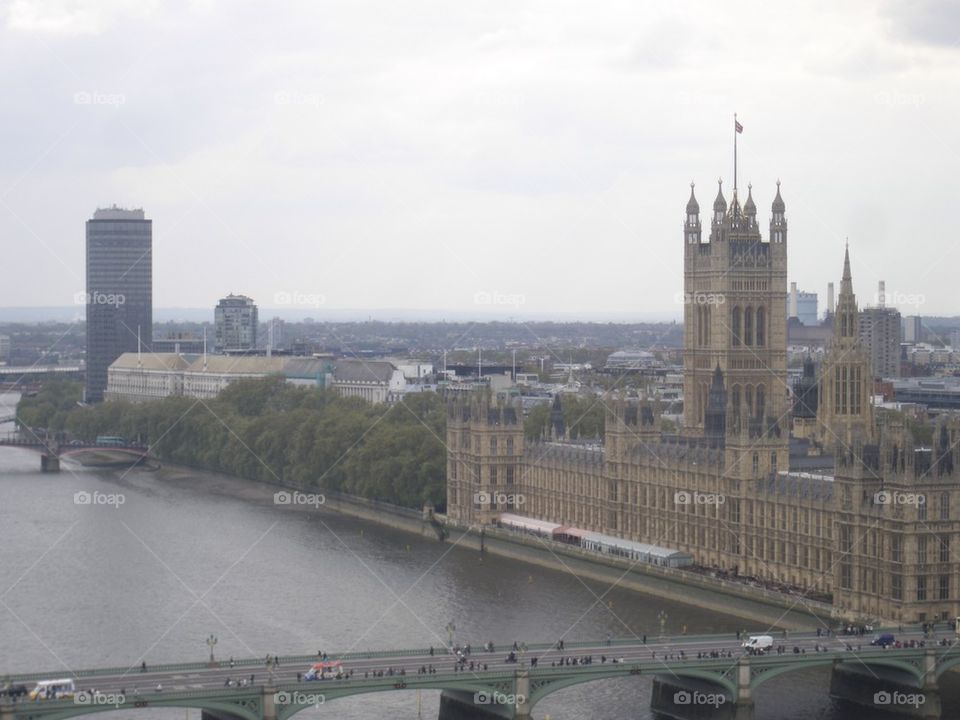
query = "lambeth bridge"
x=54 y=447
x=688 y=672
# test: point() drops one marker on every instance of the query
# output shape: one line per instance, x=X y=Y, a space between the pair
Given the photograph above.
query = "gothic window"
x=748 y=326
x=944 y=506
x=493 y=445
x=735 y=401
x=761 y=326
x=761 y=402
x=735 y=323
x=748 y=400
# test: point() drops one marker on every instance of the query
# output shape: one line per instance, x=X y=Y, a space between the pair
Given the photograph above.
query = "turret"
x=719 y=205
x=750 y=207
x=778 y=221
x=558 y=425
x=692 y=225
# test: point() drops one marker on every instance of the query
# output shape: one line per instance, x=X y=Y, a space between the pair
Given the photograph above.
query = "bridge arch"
x=540 y=687
x=247 y=707
x=829 y=660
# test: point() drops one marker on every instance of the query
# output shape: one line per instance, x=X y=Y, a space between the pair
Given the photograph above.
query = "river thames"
x=162 y=560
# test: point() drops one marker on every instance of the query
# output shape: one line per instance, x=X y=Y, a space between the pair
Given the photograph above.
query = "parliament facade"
x=806 y=487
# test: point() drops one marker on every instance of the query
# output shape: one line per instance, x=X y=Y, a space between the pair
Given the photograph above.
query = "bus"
x=110 y=440
x=324 y=670
x=53 y=690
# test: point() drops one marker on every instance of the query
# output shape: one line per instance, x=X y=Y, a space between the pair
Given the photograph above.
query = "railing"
x=440 y=652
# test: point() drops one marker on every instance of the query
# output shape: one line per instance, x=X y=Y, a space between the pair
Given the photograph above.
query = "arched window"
x=761 y=401
x=735 y=401
x=748 y=400
x=748 y=326
x=761 y=326
x=735 y=324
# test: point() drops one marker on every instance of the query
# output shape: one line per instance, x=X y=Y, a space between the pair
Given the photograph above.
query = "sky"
x=496 y=159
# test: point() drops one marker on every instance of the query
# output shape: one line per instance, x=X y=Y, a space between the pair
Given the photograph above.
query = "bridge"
x=687 y=671
x=53 y=448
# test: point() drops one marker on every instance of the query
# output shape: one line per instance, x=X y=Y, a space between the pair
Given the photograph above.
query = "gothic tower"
x=844 y=412
x=735 y=289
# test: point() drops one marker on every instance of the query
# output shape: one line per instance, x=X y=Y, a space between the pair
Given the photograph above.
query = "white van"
x=758 y=643
x=53 y=689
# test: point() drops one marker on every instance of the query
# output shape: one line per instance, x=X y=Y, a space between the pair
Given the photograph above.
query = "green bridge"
x=904 y=680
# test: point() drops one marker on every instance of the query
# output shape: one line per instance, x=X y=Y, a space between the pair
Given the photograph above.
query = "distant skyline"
x=511 y=161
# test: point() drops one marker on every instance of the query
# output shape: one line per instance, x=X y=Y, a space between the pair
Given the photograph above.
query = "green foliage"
x=266 y=429
x=50 y=406
x=584 y=418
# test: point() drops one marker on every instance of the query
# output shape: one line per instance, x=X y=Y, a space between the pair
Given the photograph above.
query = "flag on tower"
x=737 y=126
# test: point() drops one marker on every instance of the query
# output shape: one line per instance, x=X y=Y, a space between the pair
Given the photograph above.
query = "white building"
x=376 y=381
x=137 y=377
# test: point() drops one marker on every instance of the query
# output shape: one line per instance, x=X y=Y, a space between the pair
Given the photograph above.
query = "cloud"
x=926 y=22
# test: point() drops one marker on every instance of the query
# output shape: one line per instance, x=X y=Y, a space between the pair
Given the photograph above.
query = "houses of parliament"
x=808 y=486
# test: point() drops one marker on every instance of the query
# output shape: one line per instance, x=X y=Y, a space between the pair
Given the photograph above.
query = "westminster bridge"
x=689 y=672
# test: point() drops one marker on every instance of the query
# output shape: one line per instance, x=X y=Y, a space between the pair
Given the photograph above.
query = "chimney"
x=794 y=303
x=830 y=306
x=882 y=294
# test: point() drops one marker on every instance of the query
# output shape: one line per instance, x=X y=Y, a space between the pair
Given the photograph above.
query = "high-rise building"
x=119 y=296
x=880 y=333
x=236 y=322
x=276 y=330
x=912 y=329
x=802 y=305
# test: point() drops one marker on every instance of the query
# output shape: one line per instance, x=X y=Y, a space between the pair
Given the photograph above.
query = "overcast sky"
x=508 y=158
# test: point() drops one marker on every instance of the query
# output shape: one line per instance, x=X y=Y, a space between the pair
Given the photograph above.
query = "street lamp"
x=211 y=641
x=451 y=629
x=662 y=615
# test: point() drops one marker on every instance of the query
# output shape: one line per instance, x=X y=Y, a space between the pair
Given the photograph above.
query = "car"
x=884 y=640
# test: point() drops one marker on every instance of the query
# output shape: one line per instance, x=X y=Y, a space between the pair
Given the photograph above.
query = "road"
x=136 y=682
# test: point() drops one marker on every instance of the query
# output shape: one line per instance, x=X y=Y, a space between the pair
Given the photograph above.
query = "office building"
x=236 y=323
x=119 y=292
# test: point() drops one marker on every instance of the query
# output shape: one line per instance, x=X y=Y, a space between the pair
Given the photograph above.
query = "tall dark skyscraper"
x=119 y=294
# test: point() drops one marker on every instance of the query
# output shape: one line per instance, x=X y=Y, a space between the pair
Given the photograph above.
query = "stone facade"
x=856 y=510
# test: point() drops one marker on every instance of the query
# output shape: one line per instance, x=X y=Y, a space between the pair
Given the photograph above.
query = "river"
x=188 y=554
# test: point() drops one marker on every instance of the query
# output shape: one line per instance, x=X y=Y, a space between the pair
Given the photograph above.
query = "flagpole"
x=734 y=154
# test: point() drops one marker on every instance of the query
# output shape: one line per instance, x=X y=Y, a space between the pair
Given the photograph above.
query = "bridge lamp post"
x=211 y=641
x=451 y=629
x=662 y=616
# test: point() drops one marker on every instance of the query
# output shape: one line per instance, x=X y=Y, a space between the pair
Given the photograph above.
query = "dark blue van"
x=883 y=640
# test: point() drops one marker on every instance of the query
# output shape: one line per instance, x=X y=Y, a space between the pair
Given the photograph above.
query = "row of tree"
x=266 y=429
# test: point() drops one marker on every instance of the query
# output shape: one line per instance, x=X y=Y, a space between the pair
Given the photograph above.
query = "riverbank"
x=757 y=606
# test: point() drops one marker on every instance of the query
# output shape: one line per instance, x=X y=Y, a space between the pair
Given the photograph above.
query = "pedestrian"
x=143 y=666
